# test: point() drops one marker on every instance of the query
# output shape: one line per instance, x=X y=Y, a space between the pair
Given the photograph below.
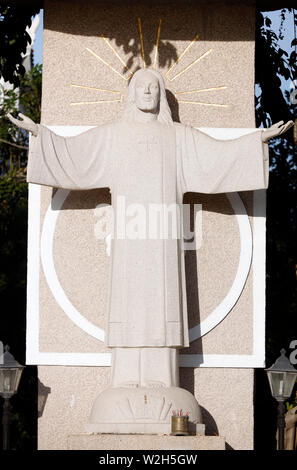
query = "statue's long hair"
x=164 y=112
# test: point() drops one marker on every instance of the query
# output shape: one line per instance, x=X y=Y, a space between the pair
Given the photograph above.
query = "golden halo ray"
x=116 y=54
x=141 y=42
x=94 y=88
x=203 y=104
x=201 y=90
x=106 y=63
x=157 y=43
x=181 y=56
x=95 y=102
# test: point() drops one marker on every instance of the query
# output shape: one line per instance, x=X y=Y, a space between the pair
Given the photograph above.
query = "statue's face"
x=147 y=92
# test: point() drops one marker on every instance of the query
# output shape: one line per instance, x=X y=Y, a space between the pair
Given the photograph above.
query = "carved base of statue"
x=143 y=395
x=142 y=410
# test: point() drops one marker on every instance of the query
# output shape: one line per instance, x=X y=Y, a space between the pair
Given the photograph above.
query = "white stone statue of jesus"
x=147 y=159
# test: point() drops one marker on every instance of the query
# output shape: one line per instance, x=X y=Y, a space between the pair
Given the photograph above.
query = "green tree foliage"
x=13 y=40
x=13 y=248
x=30 y=98
x=272 y=65
x=13 y=141
x=8 y=132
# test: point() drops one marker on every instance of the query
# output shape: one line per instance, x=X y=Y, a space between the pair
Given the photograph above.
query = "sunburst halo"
x=171 y=78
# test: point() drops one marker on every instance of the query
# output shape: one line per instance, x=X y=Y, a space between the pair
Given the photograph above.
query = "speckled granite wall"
x=219 y=43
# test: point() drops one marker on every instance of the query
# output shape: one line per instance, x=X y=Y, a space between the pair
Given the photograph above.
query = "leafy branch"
x=14 y=40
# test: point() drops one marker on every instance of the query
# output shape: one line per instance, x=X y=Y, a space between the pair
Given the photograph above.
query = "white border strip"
x=75 y=359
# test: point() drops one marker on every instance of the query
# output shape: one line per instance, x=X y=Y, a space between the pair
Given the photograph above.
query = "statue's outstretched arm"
x=24 y=123
x=276 y=129
x=76 y=162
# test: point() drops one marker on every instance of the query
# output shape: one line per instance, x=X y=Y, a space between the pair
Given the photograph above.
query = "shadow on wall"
x=173 y=104
x=187 y=382
x=136 y=26
x=43 y=393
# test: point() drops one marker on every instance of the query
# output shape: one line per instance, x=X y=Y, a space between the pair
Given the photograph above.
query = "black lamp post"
x=282 y=377
x=10 y=375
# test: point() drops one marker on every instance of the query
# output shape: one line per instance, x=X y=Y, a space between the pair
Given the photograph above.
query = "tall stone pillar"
x=206 y=55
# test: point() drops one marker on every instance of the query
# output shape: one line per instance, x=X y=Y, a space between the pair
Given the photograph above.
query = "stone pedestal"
x=146 y=442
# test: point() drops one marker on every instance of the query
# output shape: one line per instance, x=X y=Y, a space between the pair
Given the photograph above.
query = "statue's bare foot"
x=155 y=384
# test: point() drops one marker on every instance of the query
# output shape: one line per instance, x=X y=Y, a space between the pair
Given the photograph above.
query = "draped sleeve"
x=209 y=165
x=80 y=162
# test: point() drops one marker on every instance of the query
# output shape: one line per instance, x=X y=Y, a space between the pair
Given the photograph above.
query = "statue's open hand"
x=276 y=130
x=24 y=123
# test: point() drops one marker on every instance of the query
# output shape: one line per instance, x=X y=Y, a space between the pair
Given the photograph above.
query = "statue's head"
x=147 y=93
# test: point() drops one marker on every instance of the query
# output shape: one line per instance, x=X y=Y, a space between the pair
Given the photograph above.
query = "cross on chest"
x=147 y=143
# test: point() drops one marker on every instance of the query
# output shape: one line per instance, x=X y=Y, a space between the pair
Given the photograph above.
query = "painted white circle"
x=213 y=319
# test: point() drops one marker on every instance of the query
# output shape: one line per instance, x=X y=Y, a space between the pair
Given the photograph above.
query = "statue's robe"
x=147 y=164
